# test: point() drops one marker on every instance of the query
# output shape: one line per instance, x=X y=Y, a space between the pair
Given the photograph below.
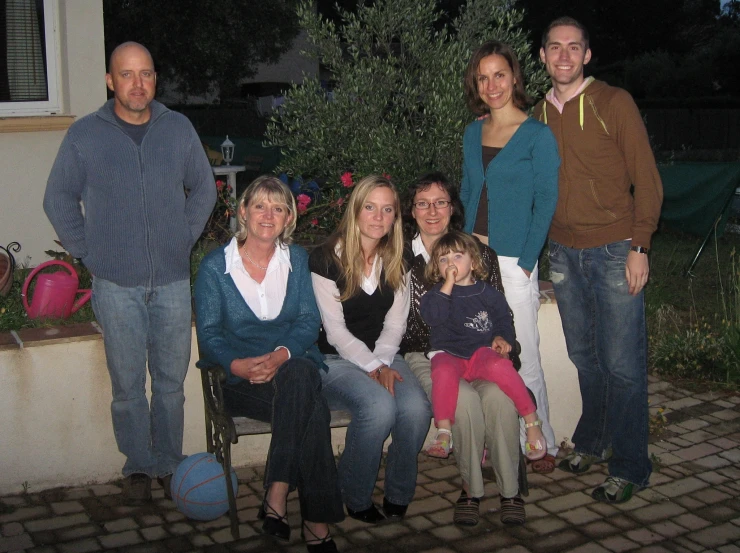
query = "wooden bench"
x=222 y=430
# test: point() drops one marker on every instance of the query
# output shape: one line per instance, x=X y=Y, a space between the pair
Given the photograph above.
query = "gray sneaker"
x=137 y=489
x=578 y=463
x=615 y=490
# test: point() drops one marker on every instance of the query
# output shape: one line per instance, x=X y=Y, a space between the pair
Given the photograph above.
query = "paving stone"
x=693 y=424
x=15 y=543
x=546 y=525
x=533 y=511
x=154 y=533
x=443 y=473
x=67 y=507
x=618 y=543
x=698 y=436
x=716 y=535
x=688 y=544
x=589 y=548
x=579 y=516
x=688 y=502
x=120 y=525
x=729 y=549
x=697 y=451
x=681 y=487
x=731 y=455
x=224 y=535
x=600 y=529
x=643 y=536
x=56 y=522
x=120 y=539
x=677 y=429
x=726 y=414
x=656 y=512
x=710 y=496
x=80 y=546
x=25 y=513
x=669 y=459
x=420 y=523
x=428 y=505
x=150 y=520
x=668 y=529
x=680 y=442
x=11 y=529
x=712 y=462
x=622 y=522
x=635 y=503
x=447 y=533
x=681 y=403
x=563 y=503
x=717 y=513
x=691 y=522
x=567 y=539
x=78 y=532
x=105 y=489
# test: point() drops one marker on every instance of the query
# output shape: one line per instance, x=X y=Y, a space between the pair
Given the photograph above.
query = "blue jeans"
x=375 y=415
x=605 y=333
x=146 y=325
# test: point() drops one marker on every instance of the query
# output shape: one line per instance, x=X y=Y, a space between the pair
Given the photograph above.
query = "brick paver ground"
x=692 y=505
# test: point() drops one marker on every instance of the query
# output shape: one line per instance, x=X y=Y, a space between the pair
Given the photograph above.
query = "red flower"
x=346 y=179
x=302 y=208
x=219 y=184
x=315 y=222
x=303 y=200
x=387 y=176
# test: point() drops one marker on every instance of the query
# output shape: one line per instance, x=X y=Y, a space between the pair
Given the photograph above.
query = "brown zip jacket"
x=605 y=150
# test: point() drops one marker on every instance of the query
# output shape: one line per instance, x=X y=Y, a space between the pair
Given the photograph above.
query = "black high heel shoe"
x=273 y=524
x=317 y=544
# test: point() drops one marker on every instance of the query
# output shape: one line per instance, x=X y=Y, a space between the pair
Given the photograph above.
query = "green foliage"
x=397 y=105
x=199 y=43
x=694 y=324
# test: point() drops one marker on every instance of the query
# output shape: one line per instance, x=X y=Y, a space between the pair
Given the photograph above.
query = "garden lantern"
x=227 y=150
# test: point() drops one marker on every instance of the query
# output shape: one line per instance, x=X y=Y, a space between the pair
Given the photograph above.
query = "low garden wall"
x=55 y=406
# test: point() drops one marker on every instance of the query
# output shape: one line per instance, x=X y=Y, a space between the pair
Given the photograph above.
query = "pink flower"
x=387 y=176
x=315 y=222
x=303 y=199
x=346 y=179
x=219 y=184
x=340 y=202
x=302 y=208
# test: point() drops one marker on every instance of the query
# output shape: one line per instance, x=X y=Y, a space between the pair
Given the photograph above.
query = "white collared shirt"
x=337 y=334
x=418 y=247
x=265 y=298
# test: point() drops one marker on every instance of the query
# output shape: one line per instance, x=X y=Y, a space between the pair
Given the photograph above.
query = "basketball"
x=198 y=487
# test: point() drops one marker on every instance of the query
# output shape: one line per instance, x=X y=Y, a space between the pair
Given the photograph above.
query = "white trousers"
x=523 y=296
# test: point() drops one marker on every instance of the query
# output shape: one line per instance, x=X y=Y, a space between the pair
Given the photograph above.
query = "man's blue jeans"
x=146 y=325
x=605 y=333
x=375 y=415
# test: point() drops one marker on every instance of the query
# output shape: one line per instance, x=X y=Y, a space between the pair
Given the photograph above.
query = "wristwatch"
x=639 y=249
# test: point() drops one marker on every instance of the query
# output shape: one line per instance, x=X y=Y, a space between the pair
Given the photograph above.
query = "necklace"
x=252 y=261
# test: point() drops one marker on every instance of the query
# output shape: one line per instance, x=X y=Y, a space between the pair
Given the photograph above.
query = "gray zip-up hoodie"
x=144 y=206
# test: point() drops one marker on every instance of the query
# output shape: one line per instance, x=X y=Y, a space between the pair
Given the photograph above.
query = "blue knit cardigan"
x=139 y=224
x=228 y=329
x=522 y=184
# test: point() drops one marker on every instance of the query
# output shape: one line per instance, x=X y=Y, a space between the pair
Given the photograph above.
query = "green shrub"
x=397 y=104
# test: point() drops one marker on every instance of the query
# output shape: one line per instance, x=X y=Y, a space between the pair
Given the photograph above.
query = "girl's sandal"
x=538 y=449
x=441 y=446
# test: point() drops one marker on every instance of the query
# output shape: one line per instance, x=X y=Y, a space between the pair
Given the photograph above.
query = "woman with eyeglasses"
x=509 y=191
x=484 y=414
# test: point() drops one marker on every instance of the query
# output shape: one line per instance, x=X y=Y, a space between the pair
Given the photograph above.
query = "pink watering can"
x=55 y=293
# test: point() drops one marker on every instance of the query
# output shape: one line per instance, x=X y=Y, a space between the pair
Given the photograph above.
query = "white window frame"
x=52 y=106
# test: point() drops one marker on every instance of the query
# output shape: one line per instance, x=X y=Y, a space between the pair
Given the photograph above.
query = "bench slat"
x=248 y=427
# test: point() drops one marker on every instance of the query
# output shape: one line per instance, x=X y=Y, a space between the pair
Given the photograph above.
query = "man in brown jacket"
x=608 y=207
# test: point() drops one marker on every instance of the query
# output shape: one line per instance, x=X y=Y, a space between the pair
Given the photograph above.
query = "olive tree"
x=396 y=104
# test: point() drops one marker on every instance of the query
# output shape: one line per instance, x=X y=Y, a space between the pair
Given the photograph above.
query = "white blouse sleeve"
x=394 y=325
x=332 y=317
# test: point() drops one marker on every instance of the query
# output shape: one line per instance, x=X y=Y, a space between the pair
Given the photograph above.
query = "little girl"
x=471 y=333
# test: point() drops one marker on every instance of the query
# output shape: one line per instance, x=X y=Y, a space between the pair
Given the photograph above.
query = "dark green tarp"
x=694 y=194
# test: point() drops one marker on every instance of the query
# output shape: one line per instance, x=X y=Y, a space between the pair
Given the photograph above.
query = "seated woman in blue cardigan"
x=257 y=318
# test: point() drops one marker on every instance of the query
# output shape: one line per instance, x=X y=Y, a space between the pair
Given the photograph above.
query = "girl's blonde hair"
x=351 y=260
x=272 y=188
x=455 y=241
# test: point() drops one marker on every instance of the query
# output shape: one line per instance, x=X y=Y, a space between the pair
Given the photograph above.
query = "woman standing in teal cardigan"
x=509 y=192
x=258 y=319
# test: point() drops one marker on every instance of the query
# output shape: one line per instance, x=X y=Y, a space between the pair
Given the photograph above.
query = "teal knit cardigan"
x=228 y=329
x=522 y=184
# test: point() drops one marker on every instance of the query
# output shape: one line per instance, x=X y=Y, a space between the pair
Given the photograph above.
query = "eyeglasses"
x=439 y=204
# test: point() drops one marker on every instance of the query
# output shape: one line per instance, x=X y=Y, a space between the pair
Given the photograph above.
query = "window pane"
x=22 y=51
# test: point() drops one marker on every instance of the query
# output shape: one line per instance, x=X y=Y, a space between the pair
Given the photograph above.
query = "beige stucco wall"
x=55 y=408
x=26 y=157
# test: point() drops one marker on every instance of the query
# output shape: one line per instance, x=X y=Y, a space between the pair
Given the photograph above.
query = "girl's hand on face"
x=450 y=274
